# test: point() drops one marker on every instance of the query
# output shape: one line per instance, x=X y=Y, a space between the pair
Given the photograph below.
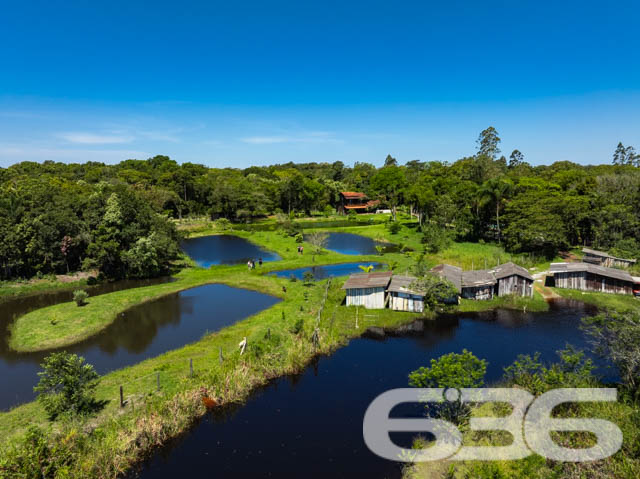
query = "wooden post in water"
x=191 y=367
x=121 y=397
x=158 y=379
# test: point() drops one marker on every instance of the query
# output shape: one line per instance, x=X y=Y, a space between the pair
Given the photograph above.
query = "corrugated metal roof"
x=591 y=268
x=400 y=284
x=510 y=269
x=368 y=280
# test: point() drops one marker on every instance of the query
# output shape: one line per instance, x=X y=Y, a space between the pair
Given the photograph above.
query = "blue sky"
x=242 y=83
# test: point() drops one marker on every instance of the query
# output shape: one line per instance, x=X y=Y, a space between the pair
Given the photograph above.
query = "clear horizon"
x=258 y=84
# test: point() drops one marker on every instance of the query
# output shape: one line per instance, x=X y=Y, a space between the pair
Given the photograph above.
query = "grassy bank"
x=151 y=417
x=535 y=304
x=13 y=289
x=616 y=302
x=65 y=324
x=279 y=339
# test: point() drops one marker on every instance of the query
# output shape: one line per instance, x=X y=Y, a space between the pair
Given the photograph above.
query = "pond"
x=224 y=249
x=349 y=243
x=142 y=332
x=310 y=425
x=326 y=271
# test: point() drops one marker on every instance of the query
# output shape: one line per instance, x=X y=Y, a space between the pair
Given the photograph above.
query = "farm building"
x=605 y=259
x=358 y=202
x=591 y=277
x=478 y=284
x=513 y=279
x=367 y=289
x=402 y=298
x=505 y=279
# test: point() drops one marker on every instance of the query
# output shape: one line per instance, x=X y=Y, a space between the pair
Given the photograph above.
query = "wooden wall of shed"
x=515 y=285
x=406 y=302
x=370 y=298
x=585 y=281
x=477 y=292
x=607 y=262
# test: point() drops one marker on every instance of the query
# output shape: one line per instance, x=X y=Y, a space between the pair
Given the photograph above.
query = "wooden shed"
x=508 y=278
x=402 y=298
x=478 y=284
x=591 y=277
x=605 y=259
x=513 y=279
x=367 y=289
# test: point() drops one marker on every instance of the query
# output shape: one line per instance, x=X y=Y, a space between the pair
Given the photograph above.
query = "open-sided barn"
x=367 y=289
x=402 y=298
x=605 y=259
x=591 y=277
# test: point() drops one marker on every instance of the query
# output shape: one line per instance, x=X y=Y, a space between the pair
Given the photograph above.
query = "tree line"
x=57 y=217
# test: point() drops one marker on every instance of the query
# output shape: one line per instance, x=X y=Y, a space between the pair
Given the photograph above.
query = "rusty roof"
x=368 y=280
x=353 y=194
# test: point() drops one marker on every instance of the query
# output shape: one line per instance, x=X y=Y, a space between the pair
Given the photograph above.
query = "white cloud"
x=10 y=154
x=310 y=137
x=83 y=138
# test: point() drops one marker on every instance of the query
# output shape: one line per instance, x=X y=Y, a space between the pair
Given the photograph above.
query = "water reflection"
x=310 y=424
x=326 y=271
x=353 y=244
x=145 y=331
x=224 y=249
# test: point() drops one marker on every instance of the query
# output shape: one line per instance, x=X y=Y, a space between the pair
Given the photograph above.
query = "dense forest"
x=57 y=217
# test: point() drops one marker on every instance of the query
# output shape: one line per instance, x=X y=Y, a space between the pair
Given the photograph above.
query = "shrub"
x=451 y=370
x=66 y=384
x=299 y=238
x=80 y=297
x=92 y=280
x=308 y=277
x=297 y=327
x=394 y=227
x=352 y=215
x=293 y=278
x=223 y=224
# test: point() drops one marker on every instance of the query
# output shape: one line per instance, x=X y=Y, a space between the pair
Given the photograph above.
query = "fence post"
x=121 y=397
x=221 y=357
x=158 y=379
x=191 y=367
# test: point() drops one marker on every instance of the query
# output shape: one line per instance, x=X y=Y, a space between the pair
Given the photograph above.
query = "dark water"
x=143 y=332
x=224 y=249
x=326 y=271
x=349 y=243
x=310 y=425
